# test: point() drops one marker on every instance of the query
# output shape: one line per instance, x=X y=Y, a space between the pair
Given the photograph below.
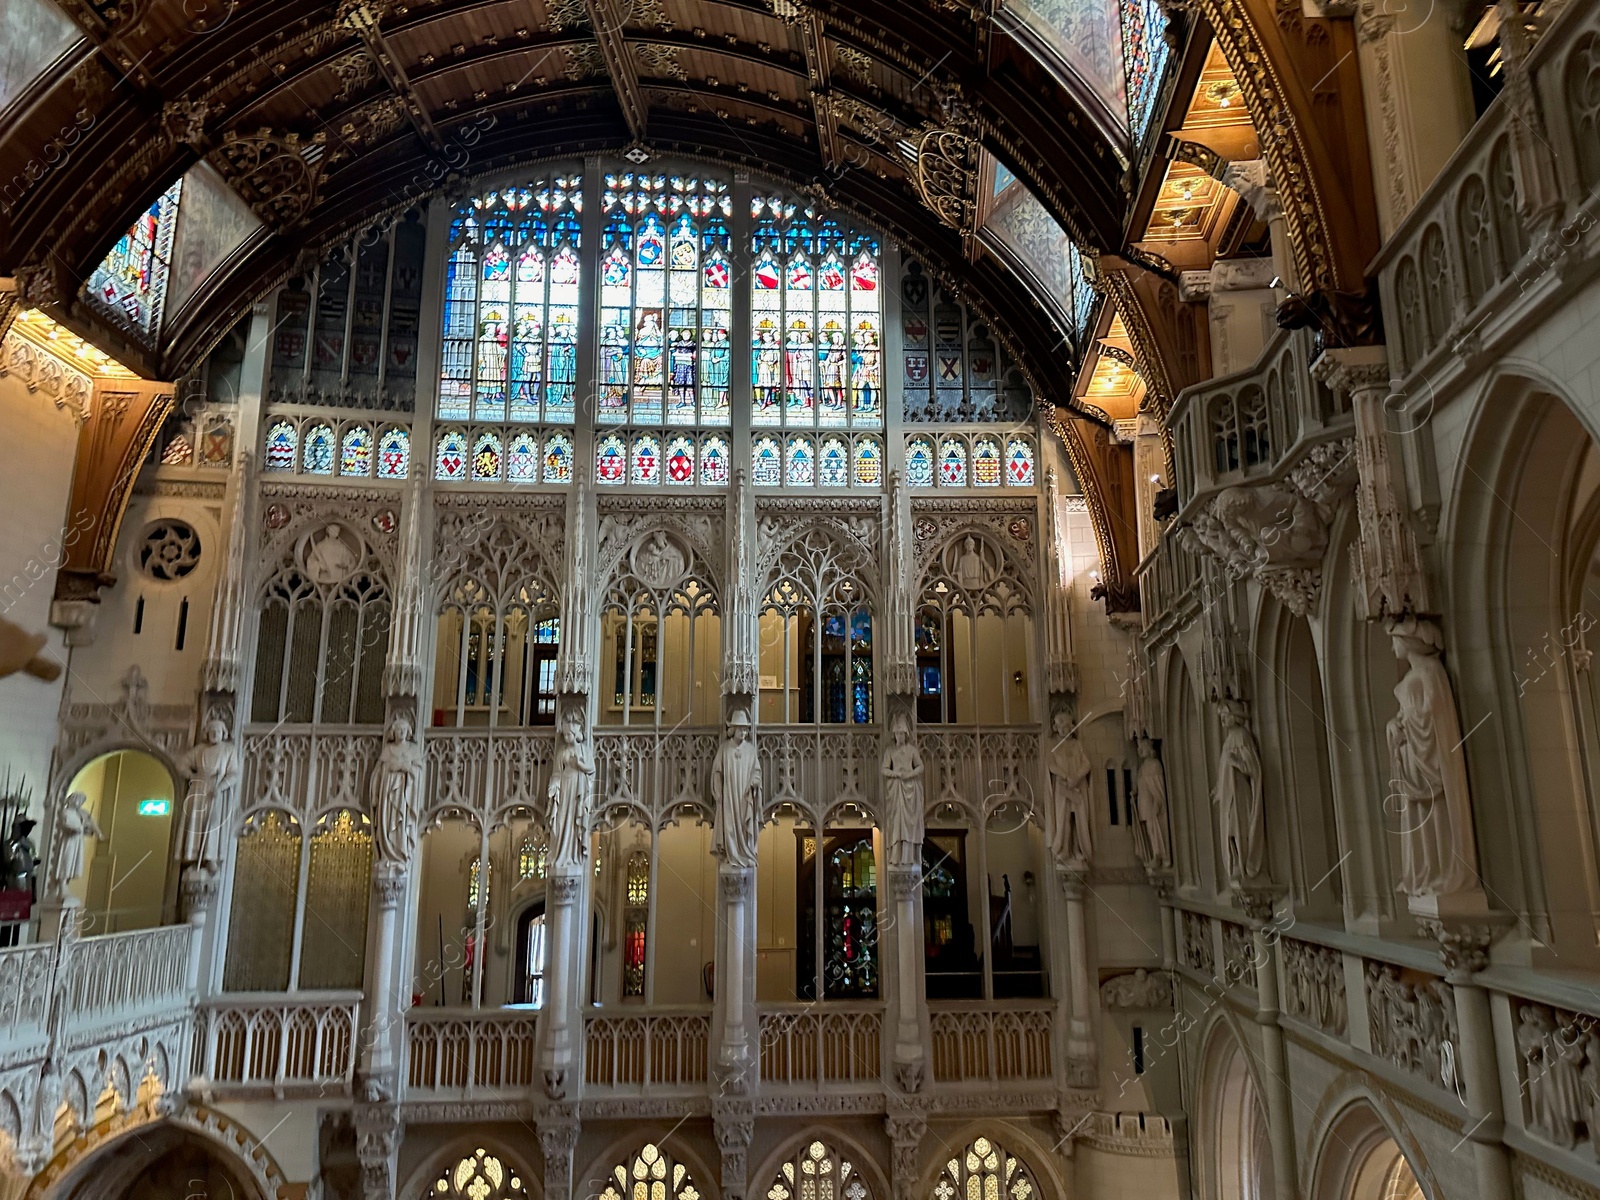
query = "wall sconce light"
x=1019 y=679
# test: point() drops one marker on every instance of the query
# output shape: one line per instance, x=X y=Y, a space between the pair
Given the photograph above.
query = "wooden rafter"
x=362 y=19
x=607 y=22
x=812 y=34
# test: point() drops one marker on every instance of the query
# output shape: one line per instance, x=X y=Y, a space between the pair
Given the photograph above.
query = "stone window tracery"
x=652 y=1175
x=479 y=1176
x=816 y=639
x=985 y=1171
x=171 y=550
x=819 y=1172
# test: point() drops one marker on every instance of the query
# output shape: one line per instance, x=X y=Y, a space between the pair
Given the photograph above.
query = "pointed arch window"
x=511 y=305
x=318 y=455
x=479 y=1176
x=131 y=282
x=985 y=1170
x=819 y=1172
x=394 y=454
x=283 y=444
x=653 y=1174
x=635 y=922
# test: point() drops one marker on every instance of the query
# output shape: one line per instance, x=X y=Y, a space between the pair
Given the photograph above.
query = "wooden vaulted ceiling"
x=324 y=115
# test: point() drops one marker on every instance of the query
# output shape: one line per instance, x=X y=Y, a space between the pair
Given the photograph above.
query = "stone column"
x=558 y=1138
x=734 y=1121
x=910 y=973
x=388 y=993
x=735 y=976
x=1465 y=951
x=1082 y=1055
x=1275 y=1061
x=559 y=1044
x=906 y=1127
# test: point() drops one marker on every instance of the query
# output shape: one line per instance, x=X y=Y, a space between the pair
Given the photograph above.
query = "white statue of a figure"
x=902 y=794
x=571 y=784
x=736 y=789
x=1238 y=795
x=396 y=792
x=1429 y=767
x=1068 y=820
x=212 y=767
x=73 y=823
x=1152 y=791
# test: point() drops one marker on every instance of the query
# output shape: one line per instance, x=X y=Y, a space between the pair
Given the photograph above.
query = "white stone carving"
x=1150 y=841
x=1140 y=989
x=1238 y=796
x=396 y=792
x=212 y=768
x=570 y=791
x=1315 y=993
x=1413 y=1024
x=1551 y=1059
x=1068 y=810
x=736 y=792
x=902 y=794
x=70 y=825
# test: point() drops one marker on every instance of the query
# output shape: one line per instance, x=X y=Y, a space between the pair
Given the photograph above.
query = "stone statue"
x=1068 y=825
x=1141 y=990
x=395 y=792
x=736 y=790
x=19 y=651
x=902 y=794
x=1152 y=793
x=969 y=565
x=1438 y=849
x=1238 y=796
x=73 y=823
x=1550 y=1063
x=571 y=784
x=212 y=767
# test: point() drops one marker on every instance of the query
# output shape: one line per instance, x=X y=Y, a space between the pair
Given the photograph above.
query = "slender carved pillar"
x=560 y=1041
x=906 y=1128
x=379 y=1131
x=741 y=642
x=1275 y=1063
x=734 y=1121
x=1082 y=1069
x=910 y=974
x=1061 y=671
x=558 y=1138
x=1465 y=951
x=735 y=975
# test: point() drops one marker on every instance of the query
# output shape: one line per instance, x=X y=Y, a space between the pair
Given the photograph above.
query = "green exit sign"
x=155 y=808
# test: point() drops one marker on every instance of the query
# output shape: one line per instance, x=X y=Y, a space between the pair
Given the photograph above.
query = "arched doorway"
x=162 y=1162
x=1361 y=1160
x=134 y=802
x=1241 y=1152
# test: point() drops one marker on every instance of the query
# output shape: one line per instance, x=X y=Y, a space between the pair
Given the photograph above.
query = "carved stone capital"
x=904 y=881
x=1257 y=902
x=389 y=882
x=1357 y=368
x=564 y=889
x=1463 y=946
x=1074 y=880
x=379 y=1131
x=735 y=883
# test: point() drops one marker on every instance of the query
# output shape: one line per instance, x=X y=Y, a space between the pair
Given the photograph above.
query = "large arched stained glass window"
x=665 y=300
x=511 y=305
x=652 y=1175
x=479 y=1176
x=131 y=282
x=816 y=327
x=819 y=1172
x=985 y=1171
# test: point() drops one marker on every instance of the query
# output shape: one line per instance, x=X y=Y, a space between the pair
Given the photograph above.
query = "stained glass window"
x=558 y=458
x=986 y=462
x=1019 y=463
x=131 y=281
x=283 y=440
x=450 y=460
x=951 y=367
x=533 y=859
x=833 y=462
x=318 y=455
x=816 y=319
x=984 y=1169
x=952 y=463
x=355 y=451
x=646 y=459
x=478 y=1176
x=802 y=463
x=1144 y=60
x=869 y=462
x=665 y=299
x=522 y=459
x=819 y=1172
x=766 y=464
x=611 y=459
x=919 y=463
x=511 y=305
x=394 y=454
x=714 y=461
x=651 y=1175
x=635 y=917
x=680 y=459
x=179 y=452
x=486 y=458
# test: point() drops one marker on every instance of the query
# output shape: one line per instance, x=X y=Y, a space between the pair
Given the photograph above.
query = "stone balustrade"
x=250 y=1045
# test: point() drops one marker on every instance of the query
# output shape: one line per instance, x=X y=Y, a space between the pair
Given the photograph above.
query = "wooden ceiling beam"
x=812 y=33
x=361 y=17
x=607 y=21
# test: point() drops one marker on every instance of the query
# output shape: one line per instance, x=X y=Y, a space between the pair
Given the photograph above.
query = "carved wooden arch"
x=1105 y=472
x=1327 y=205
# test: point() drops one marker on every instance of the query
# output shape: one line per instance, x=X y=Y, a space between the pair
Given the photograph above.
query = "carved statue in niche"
x=396 y=792
x=1152 y=798
x=970 y=571
x=1438 y=849
x=1238 y=796
x=330 y=555
x=19 y=651
x=902 y=794
x=1550 y=1059
x=212 y=767
x=1068 y=824
x=736 y=790
x=571 y=784
x=71 y=825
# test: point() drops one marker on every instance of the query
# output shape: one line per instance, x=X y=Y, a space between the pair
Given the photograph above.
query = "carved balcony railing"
x=979 y=769
x=483 y=770
x=25 y=1001
x=470 y=1054
x=828 y=765
x=1465 y=257
x=126 y=976
x=1249 y=427
x=306 y=769
x=1170 y=589
x=814 y=1046
x=653 y=772
x=978 y=1043
x=277 y=1047
x=652 y=1050
x=1129 y=1133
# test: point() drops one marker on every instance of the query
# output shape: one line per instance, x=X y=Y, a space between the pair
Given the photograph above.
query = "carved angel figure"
x=571 y=784
x=1152 y=793
x=1437 y=844
x=1238 y=795
x=396 y=792
x=1068 y=824
x=73 y=823
x=902 y=794
x=213 y=770
x=736 y=789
